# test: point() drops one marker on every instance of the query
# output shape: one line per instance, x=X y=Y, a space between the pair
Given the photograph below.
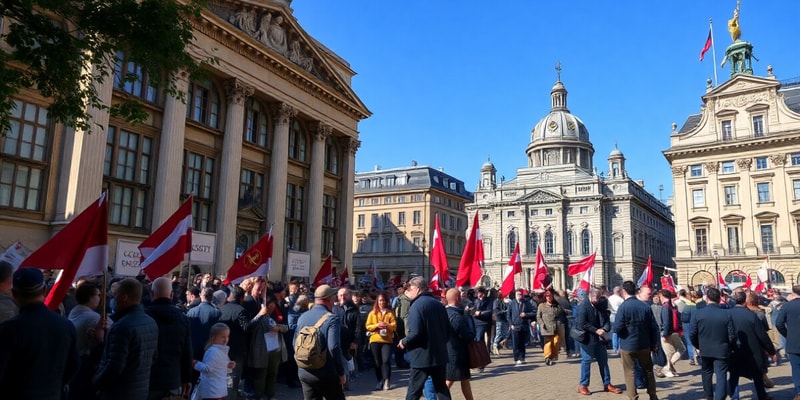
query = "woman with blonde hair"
x=381 y=324
x=215 y=365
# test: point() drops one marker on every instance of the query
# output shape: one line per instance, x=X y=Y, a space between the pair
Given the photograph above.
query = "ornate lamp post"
x=422 y=246
x=716 y=267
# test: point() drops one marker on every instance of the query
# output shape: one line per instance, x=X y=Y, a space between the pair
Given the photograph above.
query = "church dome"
x=616 y=153
x=487 y=166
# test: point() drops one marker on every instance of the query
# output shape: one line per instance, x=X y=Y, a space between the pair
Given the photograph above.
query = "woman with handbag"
x=548 y=315
x=381 y=323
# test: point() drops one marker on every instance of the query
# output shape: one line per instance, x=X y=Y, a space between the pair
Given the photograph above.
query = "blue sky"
x=453 y=82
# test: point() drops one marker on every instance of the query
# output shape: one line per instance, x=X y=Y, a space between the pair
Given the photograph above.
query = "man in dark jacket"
x=171 y=373
x=595 y=323
x=130 y=347
x=457 y=344
x=201 y=318
x=235 y=316
x=787 y=322
x=40 y=351
x=753 y=344
x=352 y=326
x=520 y=313
x=713 y=334
x=426 y=342
x=638 y=334
x=482 y=317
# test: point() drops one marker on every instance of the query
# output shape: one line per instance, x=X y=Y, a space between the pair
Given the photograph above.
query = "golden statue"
x=733 y=24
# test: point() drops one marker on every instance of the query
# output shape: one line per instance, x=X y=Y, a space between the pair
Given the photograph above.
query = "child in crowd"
x=214 y=368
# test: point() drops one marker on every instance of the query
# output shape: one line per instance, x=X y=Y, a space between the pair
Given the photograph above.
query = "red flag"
x=441 y=271
x=469 y=269
x=748 y=283
x=514 y=268
x=587 y=280
x=256 y=261
x=80 y=249
x=709 y=43
x=667 y=283
x=169 y=245
x=345 y=278
x=396 y=280
x=325 y=274
x=583 y=265
x=722 y=284
x=761 y=287
x=647 y=275
x=541 y=275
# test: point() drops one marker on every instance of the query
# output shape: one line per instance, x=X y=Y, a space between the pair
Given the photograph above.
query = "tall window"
x=695 y=170
x=698 y=198
x=417 y=217
x=761 y=162
x=767 y=239
x=387 y=245
x=328 y=223
x=568 y=242
x=795 y=158
x=533 y=242
x=796 y=187
x=763 y=192
x=758 y=125
x=512 y=242
x=127 y=176
x=401 y=218
x=251 y=188
x=256 y=123
x=401 y=244
x=733 y=239
x=549 y=243
x=701 y=241
x=294 y=216
x=730 y=195
x=361 y=220
x=298 y=142
x=586 y=243
x=374 y=221
x=203 y=105
x=24 y=157
x=727 y=167
x=727 y=130
x=331 y=156
x=133 y=79
x=198 y=178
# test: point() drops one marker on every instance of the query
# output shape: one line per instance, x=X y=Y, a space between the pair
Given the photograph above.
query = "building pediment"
x=540 y=196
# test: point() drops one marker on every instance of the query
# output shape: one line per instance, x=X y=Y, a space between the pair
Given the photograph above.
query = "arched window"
x=586 y=242
x=297 y=142
x=512 y=242
x=533 y=243
x=331 y=156
x=256 y=123
x=568 y=245
x=133 y=79
x=203 y=105
x=549 y=243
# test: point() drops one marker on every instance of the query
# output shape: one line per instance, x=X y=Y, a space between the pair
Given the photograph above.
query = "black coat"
x=590 y=319
x=712 y=331
x=173 y=365
x=39 y=355
x=787 y=322
x=352 y=326
x=460 y=335
x=236 y=317
x=515 y=308
x=752 y=342
x=484 y=307
x=428 y=330
x=128 y=353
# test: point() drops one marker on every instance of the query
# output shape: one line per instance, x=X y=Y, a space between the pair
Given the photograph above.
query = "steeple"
x=558 y=95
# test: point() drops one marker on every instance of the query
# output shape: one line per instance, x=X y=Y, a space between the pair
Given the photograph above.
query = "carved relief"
x=711 y=167
x=744 y=163
x=244 y=20
x=679 y=170
x=283 y=113
x=778 y=159
x=237 y=91
x=297 y=56
x=744 y=99
x=321 y=131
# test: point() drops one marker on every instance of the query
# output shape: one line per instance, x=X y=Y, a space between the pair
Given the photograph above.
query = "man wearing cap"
x=328 y=381
x=40 y=353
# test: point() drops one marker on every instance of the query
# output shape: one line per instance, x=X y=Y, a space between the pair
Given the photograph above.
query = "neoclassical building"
x=268 y=138
x=736 y=173
x=560 y=202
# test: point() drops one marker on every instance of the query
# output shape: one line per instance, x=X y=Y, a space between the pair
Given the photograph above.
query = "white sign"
x=298 y=264
x=128 y=258
x=203 y=248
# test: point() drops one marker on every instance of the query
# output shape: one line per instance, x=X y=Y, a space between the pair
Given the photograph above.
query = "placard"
x=203 y=248
x=127 y=258
x=298 y=264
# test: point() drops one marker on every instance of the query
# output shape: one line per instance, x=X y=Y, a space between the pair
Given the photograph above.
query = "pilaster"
x=345 y=228
x=279 y=162
x=170 y=148
x=320 y=132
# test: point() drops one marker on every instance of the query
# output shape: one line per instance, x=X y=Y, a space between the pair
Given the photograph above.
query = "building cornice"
x=769 y=141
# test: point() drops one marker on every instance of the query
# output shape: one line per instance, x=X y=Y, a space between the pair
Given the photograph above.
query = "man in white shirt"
x=613 y=303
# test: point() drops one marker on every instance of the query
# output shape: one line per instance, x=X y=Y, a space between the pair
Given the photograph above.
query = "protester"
x=401 y=308
x=130 y=347
x=595 y=325
x=501 y=323
x=482 y=317
x=787 y=323
x=638 y=335
x=752 y=344
x=352 y=329
x=714 y=336
x=686 y=307
x=458 y=339
x=86 y=320
x=201 y=319
x=214 y=367
x=8 y=308
x=614 y=301
x=520 y=312
x=426 y=342
x=40 y=351
x=548 y=317
x=381 y=325
x=171 y=374
x=266 y=350
x=671 y=331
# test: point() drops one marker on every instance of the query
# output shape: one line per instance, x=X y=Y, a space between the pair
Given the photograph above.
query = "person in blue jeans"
x=593 y=319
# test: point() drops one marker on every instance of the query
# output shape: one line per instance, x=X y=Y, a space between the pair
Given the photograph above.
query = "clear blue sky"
x=452 y=82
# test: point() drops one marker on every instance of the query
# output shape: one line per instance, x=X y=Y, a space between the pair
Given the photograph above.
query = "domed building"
x=561 y=204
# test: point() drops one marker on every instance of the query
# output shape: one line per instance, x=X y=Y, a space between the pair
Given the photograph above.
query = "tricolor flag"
x=13 y=255
x=707 y=45
x=470 y=267
x=80 y=249
x=541 y=275
x=581 y=266
x=647 y=275
x=441 y=271
x=256 y=261
x=325 y=274
x=170 y=244
x=514 y=268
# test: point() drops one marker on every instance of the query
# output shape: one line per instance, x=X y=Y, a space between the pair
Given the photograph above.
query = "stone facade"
x=559 y=202
x=268 y=137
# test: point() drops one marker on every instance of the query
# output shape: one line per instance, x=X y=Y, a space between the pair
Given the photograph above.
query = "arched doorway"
x=776 y=278
x=702 y=278
x=736 y=278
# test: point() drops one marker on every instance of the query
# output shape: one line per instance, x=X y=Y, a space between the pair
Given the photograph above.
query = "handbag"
x=658 y=356
x=478 y=354
x=577 y=334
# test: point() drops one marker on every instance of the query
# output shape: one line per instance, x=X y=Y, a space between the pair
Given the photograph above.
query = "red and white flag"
x=80 y=249
x=707 y=45
x=647 y=275
x=514 y=268
x=668 y=283
x=170 y=244
x=256 y=261
x=541 y=275
x=470 y=268
x=587 y=281
x=13 y=255
x=441 y=271
x=722 y=284
x=325 y=274
x=581 y=266
x=761 y=286
x=345 y=278
x=763 y=272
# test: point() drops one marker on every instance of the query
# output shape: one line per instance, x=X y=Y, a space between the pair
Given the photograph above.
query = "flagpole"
x=713 y=52
x=103 y=296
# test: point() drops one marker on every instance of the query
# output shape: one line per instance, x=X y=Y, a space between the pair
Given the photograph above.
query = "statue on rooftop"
x=733 y=24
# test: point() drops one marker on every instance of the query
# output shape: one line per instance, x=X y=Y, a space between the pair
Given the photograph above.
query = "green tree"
x=62 y=48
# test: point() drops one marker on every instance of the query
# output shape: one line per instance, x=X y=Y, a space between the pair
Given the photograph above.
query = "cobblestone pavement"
x=534 y=380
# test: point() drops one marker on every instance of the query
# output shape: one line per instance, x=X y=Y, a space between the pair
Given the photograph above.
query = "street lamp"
x=422 y=246
x=716 y=267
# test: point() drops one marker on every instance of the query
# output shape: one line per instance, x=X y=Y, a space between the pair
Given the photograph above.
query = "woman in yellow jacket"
x=381 y=324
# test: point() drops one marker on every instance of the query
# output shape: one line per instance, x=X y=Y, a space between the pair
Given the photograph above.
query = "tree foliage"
x=62 y=48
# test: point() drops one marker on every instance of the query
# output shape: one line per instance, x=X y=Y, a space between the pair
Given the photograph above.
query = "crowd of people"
x=171 y=339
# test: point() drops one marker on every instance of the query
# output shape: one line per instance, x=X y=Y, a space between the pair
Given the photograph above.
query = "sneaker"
x=379 y=386
x=668 y=374
x=548 y=361
x=519 y=362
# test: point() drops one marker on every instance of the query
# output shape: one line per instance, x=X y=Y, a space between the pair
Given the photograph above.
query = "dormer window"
x=727 y=130
x=758 y=125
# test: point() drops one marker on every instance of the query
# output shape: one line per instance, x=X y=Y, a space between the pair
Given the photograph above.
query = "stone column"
x=344 y=228
x=170 y=157
x=230 y=165
x=278 y=170
x=316 y=182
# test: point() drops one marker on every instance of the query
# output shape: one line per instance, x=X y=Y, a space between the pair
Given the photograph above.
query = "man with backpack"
x=671 y=331
x=317 y=349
